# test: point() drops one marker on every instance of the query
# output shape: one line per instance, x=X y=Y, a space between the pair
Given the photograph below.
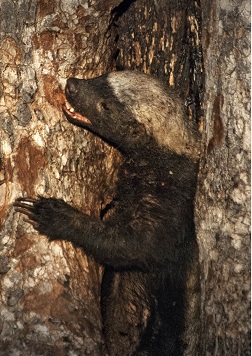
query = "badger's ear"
x=138 y=129
x=103 y=106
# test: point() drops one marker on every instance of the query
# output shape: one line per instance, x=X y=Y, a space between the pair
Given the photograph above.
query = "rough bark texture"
x=223 y=202
x=50 y=292
x=163 y=38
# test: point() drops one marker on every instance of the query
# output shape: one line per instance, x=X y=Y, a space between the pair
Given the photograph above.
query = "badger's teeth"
x=75 y=115
x=69 y=107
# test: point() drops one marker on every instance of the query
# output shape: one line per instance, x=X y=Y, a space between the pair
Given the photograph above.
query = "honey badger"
x=147 y=244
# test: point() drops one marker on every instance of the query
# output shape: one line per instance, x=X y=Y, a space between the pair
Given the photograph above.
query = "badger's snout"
x=71 y=107
x=71 y=87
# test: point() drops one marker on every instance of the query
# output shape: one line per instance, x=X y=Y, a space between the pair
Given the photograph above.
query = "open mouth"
x=69 y=110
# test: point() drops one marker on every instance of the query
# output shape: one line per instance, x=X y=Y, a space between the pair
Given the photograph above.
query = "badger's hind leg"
x=163 y=335
x=126 y=309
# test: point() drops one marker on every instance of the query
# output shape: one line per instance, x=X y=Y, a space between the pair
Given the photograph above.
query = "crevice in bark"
x=119 y=10
x=116 y=13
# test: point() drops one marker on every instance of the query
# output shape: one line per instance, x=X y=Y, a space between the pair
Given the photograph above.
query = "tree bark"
x=50 y=293
x=223 y=200
x=163 y=38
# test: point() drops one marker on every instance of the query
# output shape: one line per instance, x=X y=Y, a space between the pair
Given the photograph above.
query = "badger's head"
x=131 y=111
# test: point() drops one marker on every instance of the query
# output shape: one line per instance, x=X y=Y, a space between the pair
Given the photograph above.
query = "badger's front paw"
x=47 y=215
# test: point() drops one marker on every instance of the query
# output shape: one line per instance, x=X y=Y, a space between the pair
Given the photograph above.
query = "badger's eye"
x=103 y=106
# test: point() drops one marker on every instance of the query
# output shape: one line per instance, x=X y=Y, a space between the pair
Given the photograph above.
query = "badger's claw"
x=44 y=214
x=25 y=206
x=49 y=216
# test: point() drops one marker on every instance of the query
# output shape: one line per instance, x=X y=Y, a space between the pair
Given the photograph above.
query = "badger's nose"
x=71 y=86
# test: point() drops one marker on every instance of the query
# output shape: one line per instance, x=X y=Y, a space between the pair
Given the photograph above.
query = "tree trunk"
x=223 y=200
x=50 y=292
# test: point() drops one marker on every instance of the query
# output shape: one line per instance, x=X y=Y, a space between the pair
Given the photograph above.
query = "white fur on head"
x=161 y=112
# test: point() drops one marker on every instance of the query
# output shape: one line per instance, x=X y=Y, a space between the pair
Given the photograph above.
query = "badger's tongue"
x=67 y=107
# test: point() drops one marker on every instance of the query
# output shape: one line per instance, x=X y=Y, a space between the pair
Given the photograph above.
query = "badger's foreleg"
x=114 y=244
